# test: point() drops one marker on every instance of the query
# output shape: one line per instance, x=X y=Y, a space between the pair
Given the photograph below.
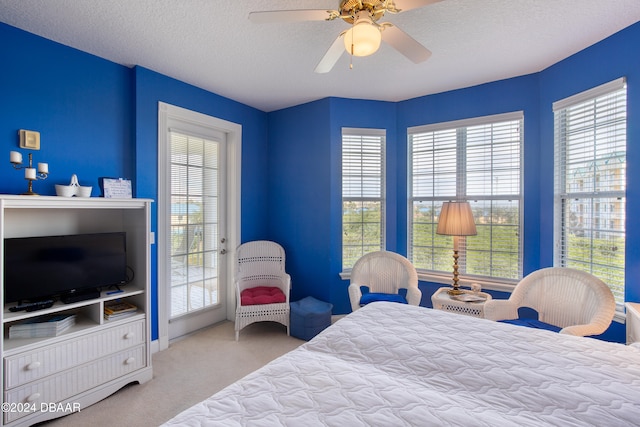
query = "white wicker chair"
x=578 y=302
x=261 y=263
x=383 y=272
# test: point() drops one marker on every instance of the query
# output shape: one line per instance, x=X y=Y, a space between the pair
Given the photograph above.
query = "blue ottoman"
x=309 y=317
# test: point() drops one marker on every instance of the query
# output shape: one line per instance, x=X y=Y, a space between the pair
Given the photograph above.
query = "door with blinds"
x=196 y=227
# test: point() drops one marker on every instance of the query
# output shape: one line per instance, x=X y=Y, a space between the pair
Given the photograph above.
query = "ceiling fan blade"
x=274 y=16
x=331 y=57
x=405 y=44
x=403 y=5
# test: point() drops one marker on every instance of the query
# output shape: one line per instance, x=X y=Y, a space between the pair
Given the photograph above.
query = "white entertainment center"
x=45 y=378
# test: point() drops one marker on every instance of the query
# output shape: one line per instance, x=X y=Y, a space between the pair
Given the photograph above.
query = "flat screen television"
x=39 y=268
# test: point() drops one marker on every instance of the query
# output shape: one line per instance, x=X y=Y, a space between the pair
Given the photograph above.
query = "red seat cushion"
x=262 y=295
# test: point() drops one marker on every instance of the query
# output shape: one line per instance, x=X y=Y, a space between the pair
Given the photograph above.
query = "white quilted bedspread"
x=396 y=365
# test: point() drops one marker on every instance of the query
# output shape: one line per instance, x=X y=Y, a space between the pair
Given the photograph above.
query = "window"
x=590 y=183
x=362 y=193
x=477 y=160
x=194 y=222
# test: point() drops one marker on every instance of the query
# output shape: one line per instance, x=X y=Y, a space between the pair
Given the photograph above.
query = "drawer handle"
x=129 y=335
x=33 y=397
x=33 y=365
x=129 y=361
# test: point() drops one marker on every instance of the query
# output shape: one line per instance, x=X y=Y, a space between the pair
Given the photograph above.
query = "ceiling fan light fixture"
x=363 y=37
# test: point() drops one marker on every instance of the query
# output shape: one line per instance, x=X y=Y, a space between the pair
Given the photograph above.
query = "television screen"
x=37 y=268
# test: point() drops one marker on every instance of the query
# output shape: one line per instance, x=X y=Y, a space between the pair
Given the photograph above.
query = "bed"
x=391 y=364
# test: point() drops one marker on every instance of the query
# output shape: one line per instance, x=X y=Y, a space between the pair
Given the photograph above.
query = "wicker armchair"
x=260 y=279
x=384 y=273
x=577 y=302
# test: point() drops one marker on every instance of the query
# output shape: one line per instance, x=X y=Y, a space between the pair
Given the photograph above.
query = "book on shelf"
x=50 y=325
x=119 y=309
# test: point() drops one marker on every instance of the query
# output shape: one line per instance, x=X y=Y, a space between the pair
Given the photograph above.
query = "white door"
x=192 y=254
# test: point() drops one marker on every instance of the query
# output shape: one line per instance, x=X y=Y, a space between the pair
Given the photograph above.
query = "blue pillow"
x=374 y=296
x=528 y=317
x=533 y=323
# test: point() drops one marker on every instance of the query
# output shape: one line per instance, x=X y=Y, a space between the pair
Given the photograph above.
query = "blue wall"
x=152 y=88
x=305 y=193
x=98 y=118
x=299 y=194
x=533 y=94
x=305 y=201
x=608 y=60
x=80 y=104
x=615 y=57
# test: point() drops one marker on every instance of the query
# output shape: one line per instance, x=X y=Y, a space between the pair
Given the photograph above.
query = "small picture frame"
x=115 y=188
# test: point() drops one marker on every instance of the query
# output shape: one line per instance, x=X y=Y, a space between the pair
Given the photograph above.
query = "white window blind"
x=478 y=160
x=363 y=192
x=590 y=183
x=193 y=222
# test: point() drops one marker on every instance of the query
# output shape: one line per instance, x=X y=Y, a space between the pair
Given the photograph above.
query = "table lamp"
x=456 y=219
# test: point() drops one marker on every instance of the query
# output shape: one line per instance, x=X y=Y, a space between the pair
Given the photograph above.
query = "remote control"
x=32 y=306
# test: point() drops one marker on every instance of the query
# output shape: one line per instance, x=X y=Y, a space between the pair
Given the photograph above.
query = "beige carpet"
x=189 y=371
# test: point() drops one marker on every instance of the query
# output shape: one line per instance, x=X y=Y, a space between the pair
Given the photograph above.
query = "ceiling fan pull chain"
x=351 y=57
x=353 y=25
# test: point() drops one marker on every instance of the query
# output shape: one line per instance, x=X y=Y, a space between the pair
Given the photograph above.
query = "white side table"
x=441 y=300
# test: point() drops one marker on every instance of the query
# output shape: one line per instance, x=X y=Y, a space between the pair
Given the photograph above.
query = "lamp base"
x=455 y=287
x=29 y=193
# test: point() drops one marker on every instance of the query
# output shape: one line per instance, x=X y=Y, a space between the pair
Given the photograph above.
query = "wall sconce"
x=30 y=173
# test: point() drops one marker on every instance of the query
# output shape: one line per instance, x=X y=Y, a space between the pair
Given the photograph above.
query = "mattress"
x=392 y=364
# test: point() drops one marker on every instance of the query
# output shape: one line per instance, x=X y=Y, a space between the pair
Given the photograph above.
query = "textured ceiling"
x=213 y=45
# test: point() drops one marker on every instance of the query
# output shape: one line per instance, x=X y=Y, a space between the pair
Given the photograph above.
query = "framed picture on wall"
x=115 y=188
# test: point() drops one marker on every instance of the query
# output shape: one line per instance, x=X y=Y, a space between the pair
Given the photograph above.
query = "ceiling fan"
x=365 y=34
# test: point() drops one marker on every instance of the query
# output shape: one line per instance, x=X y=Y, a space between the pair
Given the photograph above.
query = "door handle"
x=223 y=251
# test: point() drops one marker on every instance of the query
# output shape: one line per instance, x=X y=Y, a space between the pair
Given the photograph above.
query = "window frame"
x=438 y=276
x=381 y=197
x=595 y=196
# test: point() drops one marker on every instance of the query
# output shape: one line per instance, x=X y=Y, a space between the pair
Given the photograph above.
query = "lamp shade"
x=456 y=219
x=363 y=38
